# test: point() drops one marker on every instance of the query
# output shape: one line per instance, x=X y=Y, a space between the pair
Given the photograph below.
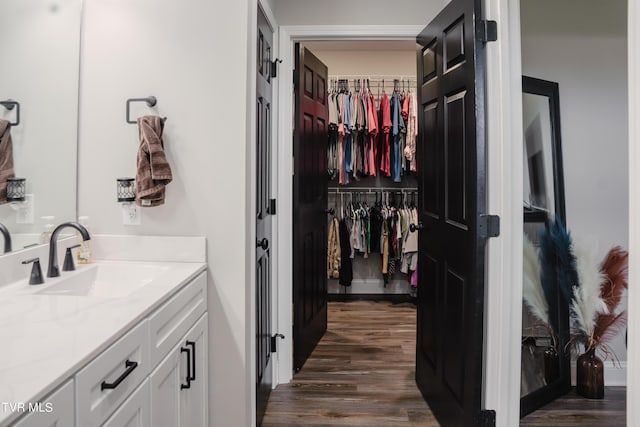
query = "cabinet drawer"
x=171 y=321
x=134 y=411
x=55 y=410
x=106 y=382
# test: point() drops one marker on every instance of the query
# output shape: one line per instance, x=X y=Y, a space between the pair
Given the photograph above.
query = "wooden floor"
x=575 y=410
x=362 y=374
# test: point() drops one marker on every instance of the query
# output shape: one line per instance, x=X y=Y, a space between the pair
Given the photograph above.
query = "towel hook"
x=151 y=101
x=10 y=104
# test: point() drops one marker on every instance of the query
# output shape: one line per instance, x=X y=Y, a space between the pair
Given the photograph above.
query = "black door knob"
x=264 y=244
x=414 y=227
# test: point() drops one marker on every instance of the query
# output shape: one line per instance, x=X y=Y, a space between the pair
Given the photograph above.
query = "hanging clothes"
x=372 y=128
x=346 y=270
x=385 y=112
x=366 y=141
x=334 y=250
x=412 y=132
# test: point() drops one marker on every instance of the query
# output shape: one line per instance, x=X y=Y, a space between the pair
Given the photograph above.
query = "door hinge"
x=274 y=67
x=274 y=342
x=487 y=31
x=486 y=418
x=489 y=226
x=272 y=207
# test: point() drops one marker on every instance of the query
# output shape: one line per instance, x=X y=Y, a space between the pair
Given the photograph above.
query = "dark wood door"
x=263 y=217
x=309 y=204
x=452 y=183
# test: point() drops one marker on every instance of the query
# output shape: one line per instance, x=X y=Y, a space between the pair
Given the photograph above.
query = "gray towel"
x=153 y=170
x=6 y=159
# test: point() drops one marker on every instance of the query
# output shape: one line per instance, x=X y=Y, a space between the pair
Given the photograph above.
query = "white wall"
x=399 y=62
x=194 y=58
x=356 y=12
x=582 y=45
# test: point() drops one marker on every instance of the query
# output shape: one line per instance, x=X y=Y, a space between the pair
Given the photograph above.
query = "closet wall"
x=373 y=58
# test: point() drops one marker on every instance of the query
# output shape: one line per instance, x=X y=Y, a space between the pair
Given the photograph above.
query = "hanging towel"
x=6 y=158
x=153 y=171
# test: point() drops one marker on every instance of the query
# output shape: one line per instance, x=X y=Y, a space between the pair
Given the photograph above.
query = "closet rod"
x=372 y=190
x=371 y=76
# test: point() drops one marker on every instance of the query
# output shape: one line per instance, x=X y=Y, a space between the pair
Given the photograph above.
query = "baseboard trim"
x=615 y=374
x=394 y=298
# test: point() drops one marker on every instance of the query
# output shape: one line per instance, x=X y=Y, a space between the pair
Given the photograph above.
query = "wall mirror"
x=545 y=372
x=40 y=45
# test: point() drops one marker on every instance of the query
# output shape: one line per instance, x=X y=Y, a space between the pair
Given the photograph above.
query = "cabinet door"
x=194 y=410
x=134 y=412
x=56 y=410
x=165 y=383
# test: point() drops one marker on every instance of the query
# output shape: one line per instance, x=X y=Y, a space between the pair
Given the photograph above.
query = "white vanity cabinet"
x=179 y=383
x=55 y=410
x=134 y=412
x=155 y=374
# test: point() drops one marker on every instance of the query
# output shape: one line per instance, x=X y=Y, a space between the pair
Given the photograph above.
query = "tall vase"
x=551 y=365
x=590 y=375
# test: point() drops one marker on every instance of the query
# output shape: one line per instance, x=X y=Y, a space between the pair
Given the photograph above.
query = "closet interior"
x=372 y=169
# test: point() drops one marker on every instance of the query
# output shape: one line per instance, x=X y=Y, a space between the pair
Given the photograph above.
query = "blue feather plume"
x=558 y=264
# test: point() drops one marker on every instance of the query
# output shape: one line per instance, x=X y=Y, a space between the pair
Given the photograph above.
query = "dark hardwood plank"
x=362 y=374
x=575 y=410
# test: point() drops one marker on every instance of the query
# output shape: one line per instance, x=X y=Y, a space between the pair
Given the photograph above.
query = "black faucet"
x=53 y=270
x=7 y=238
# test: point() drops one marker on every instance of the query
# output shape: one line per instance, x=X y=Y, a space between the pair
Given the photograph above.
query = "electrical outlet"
x=25 y=210
x=131 y=214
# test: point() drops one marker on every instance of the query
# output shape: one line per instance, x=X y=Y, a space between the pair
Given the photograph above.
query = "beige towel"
x=153 y=170
x=6 y=158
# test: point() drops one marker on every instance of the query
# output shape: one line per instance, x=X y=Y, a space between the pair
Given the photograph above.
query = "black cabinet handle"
x=130 y=367
x=188 y=384
x=192 y=344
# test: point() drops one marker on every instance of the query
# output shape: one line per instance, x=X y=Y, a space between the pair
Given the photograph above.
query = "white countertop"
x=47 y=338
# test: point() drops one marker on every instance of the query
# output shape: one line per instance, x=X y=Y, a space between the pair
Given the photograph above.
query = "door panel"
x=452 y=182
x=263 y=327
x=310 y=202
x=194 y=409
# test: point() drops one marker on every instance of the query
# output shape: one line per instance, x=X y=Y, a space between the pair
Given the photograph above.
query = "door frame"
x=504 y=147
x=633 y=345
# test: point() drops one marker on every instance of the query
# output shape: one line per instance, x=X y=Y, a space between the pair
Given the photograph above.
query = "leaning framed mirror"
x=545 y=364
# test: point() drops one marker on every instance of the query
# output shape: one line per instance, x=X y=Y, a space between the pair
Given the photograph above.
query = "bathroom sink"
x=106 y=280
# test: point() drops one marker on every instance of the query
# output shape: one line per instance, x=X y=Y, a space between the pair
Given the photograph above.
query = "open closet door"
x=264 y=349
x=452 y=185
x=309 y=205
